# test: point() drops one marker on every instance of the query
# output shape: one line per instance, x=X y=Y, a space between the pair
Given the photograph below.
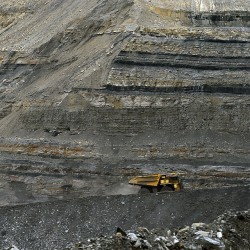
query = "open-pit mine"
x=93 y=93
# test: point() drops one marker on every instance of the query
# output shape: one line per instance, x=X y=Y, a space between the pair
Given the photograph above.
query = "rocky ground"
x=56 y=224
x=228 y=231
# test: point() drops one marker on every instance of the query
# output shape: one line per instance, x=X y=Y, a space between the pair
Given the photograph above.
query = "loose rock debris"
x=230 y=231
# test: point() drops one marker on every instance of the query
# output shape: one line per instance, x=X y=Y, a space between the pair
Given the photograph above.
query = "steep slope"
x=48 y=50
x=104 y=85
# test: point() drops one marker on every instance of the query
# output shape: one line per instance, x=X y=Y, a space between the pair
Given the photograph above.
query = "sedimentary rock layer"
x=134 y=79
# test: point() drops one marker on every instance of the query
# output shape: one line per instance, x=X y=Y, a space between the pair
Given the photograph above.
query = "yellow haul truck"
x=157 y=183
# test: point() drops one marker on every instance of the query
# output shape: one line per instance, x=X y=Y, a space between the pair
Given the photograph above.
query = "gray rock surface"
x=93 y=92
x=184 y=238
x=53 y=225
x=144 y=79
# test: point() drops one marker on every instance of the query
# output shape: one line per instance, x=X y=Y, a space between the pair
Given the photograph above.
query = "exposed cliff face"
x=93 y=92
x=136 y=80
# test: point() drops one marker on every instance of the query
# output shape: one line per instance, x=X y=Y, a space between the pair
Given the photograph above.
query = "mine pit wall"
x=27 y=226
x=170 y=96
x=221 y=19
x=172 y=93
x=169 y=64
x=194 y=126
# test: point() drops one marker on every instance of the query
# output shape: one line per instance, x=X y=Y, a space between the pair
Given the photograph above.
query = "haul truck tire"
x=144 y=190
x=166 y=188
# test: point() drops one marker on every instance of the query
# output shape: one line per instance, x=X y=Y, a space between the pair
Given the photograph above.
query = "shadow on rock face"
x=21 y=192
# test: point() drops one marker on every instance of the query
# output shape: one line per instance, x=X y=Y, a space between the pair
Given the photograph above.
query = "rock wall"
x=149 y=126
x=136 y=80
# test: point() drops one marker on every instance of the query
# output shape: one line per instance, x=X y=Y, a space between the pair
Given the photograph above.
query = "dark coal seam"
x=175 y=64
x=190 y=89
x=201 y=39
x=223 y=41
x=124 y=53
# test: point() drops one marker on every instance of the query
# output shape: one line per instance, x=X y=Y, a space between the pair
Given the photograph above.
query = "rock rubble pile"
x=231 y=231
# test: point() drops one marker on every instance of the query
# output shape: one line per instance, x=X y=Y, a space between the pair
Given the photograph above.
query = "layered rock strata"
x=136 y=80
